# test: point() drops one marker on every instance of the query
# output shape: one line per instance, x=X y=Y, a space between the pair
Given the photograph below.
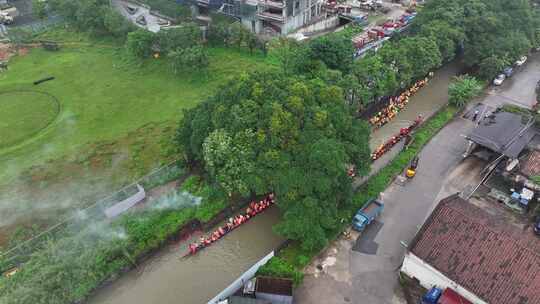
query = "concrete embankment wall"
x=238 y=283
x=319 y=26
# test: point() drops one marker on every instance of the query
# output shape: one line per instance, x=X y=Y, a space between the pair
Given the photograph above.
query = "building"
x=477 y=253
x=274 y=290
x=504 y=133
x=525 y=170
x=271 y=17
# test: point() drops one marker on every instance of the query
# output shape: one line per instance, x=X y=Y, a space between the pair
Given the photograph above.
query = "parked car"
x=432 y=296
x=538 y=91
x=521 y=61
x=508 y=71
x=499 y=79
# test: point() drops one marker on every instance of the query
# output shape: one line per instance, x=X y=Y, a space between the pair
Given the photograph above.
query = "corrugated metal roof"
x=279 y=286
x=503 y=132
x=480 y=251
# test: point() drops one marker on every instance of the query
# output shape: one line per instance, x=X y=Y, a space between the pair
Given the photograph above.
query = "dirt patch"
x=22 y=51
x=412 y=289
x=6 y=51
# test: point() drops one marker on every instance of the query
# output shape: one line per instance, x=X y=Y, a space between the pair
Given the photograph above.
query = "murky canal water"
x=167 y=279
x=427 y=101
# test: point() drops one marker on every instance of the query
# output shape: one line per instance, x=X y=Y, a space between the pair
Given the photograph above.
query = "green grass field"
x=25 y=114
x=103 y=98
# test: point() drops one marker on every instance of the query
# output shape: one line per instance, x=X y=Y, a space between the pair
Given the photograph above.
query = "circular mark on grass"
x=23 y=114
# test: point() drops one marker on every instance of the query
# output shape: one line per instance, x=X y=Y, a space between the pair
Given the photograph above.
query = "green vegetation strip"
x=292 y=259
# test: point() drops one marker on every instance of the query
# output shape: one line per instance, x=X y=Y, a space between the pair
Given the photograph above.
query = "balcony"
x=271 y=16
x=269 y=3
x=204 y=3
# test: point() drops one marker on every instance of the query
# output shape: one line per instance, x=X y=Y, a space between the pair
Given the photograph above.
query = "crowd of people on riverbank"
x=396 y=104
x=403 y=133
x=254 y=208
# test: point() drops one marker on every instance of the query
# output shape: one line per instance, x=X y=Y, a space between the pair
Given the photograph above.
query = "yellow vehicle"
x=411 y=171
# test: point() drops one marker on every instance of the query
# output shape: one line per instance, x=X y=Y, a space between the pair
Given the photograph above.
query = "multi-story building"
x=285 y=16
x=279 y=17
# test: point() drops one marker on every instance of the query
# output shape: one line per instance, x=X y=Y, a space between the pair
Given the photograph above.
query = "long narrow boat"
x=262 y=205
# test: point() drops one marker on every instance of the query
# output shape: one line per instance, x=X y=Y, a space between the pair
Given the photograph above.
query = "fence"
x=96 y=211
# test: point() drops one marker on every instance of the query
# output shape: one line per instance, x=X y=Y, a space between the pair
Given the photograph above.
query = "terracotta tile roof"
x=480 y=251
x=531 y=166
x=449 y=296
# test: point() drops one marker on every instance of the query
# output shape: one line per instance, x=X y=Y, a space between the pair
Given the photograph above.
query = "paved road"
x=363 y=269
x=518 y=89
x=152 y=22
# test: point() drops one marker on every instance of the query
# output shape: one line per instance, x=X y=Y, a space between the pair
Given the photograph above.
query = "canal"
x=166 y=278
x=426 y=102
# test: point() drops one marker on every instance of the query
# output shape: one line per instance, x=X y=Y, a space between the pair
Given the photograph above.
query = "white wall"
x=324 y=24
x=246 y=276
x=429 y=277
x=124 y=205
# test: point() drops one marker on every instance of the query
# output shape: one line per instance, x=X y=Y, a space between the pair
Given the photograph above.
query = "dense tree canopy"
x=266 y=132
x=496 y=29
x=336 y=51
x=95 y=16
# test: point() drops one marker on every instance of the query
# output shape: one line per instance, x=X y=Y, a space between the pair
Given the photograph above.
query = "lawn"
x=24 y=114
x=115 y=123
x=102 y=98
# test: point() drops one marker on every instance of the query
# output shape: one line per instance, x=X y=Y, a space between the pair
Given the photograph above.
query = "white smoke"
x=176 y=200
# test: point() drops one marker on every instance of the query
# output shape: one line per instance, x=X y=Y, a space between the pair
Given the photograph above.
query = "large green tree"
x=267 y=132
x=376 y=77
x=139 y=43
x=336 y=51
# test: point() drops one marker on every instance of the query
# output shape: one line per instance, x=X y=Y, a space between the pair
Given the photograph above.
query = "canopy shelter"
x=505 y=133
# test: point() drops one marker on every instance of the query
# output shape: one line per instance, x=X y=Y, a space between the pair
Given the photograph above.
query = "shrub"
x=139 y=43
x=463 y=89
x=279 y=268
x=212 y=200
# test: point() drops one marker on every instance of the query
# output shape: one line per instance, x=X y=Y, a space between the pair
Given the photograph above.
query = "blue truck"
x=367 y=214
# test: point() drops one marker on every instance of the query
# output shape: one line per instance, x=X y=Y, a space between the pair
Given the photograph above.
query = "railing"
x=270 y=3
x=270 y=16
